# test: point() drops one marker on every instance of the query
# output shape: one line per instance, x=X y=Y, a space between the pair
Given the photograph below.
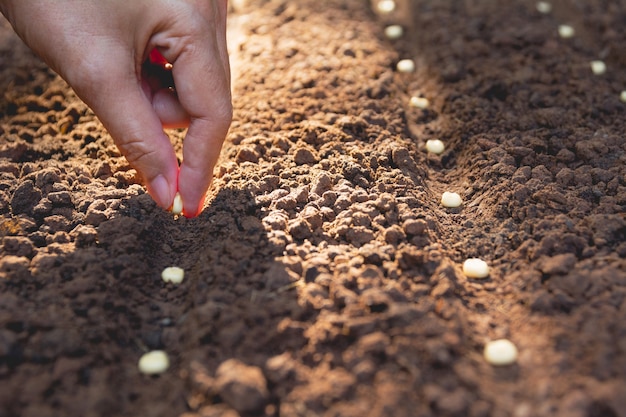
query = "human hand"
x=99 y=48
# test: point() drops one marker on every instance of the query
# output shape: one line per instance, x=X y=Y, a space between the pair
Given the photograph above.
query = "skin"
x=100 y=49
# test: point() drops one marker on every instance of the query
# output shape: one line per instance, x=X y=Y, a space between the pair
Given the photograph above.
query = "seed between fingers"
x=177 y=206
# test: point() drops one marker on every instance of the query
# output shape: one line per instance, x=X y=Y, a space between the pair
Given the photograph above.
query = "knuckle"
x=135 y=151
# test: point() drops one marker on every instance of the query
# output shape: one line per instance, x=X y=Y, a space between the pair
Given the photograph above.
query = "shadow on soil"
x=102 y=305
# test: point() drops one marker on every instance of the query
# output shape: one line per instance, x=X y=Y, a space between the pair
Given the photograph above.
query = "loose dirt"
x=324 y=277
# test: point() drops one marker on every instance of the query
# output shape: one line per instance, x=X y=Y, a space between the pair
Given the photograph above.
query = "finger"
x=169 y=110
x=210 y=116
x=201 y=75
x=166 y=105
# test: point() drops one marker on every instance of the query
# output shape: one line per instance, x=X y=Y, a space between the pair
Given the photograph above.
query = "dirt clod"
x=243 y=387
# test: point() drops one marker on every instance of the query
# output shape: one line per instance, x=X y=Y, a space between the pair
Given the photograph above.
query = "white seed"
x=566 y=31
x=419 y=102
x=406 y=65
x=500 y=352
x=394 y=31
x=544 y=7
x=177 y=206
x=598 y=67
x=452 y=200
x=386 y=6
x=622 y=96
x=475 y=268
x=154 y=362
x=173 y=274
x=435 y=146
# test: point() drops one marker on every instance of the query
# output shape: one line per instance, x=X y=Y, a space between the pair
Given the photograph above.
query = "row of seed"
x=496 y=352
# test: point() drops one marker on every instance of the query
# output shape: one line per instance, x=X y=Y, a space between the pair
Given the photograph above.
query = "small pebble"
x=173 y=274
x=451 y=200
x=475 y=268
x=622 y=96
x=566 y=31
x=419 y=102
x=386 y=6
x=500 y=352
x=544 y=7
x=435 y=146
x=406 y=65
x=154 y=362
x=177 y=206
x=598 y=67
x=394 y=32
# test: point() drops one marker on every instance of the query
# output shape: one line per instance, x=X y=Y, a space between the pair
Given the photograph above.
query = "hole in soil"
x=378 y=307
x=598 y=409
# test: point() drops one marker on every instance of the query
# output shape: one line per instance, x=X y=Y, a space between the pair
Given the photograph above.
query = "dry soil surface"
x=324 y=277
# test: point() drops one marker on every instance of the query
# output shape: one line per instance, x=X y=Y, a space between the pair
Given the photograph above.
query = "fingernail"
x=159 y=188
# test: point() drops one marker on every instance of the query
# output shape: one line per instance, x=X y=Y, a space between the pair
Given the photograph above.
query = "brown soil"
x=323 y=277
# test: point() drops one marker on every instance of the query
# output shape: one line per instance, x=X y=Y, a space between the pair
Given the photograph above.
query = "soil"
x=324 y=277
